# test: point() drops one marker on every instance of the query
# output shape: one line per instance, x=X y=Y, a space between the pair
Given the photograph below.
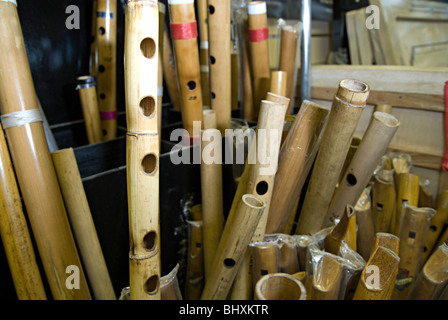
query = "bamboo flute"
x=408 y=190
x=219 y=32
x=143 y=148
x=278 y=83
x=202 y=8
x=162 y=12
x=234 y=242
x=288 y=260
x=169 y=286
x=386 y=108
x=16 y=238
x=247 y=88
x=106 y=38
x=287 y=60
x=379 y=285
x=184 y=34
x=325 y=282
x=366 y=229
x=374 y=144
x=425 y=196
x=82 y=224
x=280 y=286
x=348 y=104
x=211 y=189
x=296 y=157
x=437 y=224
x=354 y=146
x=265 y=259
x=170 y=71
x=259 y=52
x=388 y=241
x=36 y=177
x=93 y=63
x=195 y=261
x=384 y=200
x=90 y=110
x=345 y=230
x=433 y=277
x=413 y=231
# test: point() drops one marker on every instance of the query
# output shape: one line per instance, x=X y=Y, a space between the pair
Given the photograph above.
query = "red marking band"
x=183 y=31
x=108 y=115
x=257 y=35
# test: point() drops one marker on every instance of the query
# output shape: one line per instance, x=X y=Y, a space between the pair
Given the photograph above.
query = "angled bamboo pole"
x=344 y=230
x=280 y=286
x=278 y=83
x=15 y=235
x=384 y=197
x=142 y=148
x=22 y=122
x=89 y=104
x=366 y=229
x=348 y=104
x=162 y=12
x=106 y=37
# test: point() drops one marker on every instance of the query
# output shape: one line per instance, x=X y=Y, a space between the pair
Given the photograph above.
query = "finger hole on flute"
x=212 y=60
x=147 y=106
x=229 y=263
x=351 y=180
x=152 y=285
x=148 y=47
x=149 y=164
x=101 y=30
x=149 y=241
x=211 y=9
x=262 y=188
x=191 y=85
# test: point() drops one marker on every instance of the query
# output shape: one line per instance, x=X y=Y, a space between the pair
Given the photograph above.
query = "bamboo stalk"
x=219 y=22
x=413 y=231
x=344 y=230
x=388 y=241
x=265 y=259
x=384 y=200
x=433 y=277
x=437 y=224
x=288 y=261
x=195 y=261
x=90 y=110
x=106 y=38
x=185 y=44
x=354 y=146
x=278 y=83
x=15 y=235
x=366 y=229
x=408 y=191
x=280 y=286
x=82 y=223
x=372 y=147
x=386 y=108
x=142 y=148
x=325 y=282
x=170 y=71
x=32 y=162
x=237 y=234
x=348 y=104
x=162 y=12
x=296 y=157
x=202 y=8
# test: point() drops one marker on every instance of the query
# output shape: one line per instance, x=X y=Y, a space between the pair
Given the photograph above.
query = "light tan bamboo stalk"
x=325 y=282
x=143 y=148
x=169 y=286
x=287 y=60
x=374 y=144
x=388 y=241
x=354 y=146
x=259 y=52
x=202 y=8
x=280 y=286
x=195 y=261
x=348 y=104
x=384 y=200
x=437 y=224
x=433 y=277
x=211 y=190
x=32 y=161
x=106 y=36
x=378 y=277
x=237 y=234
x=366 y=229
x=186 y=51
x=90 y=110
x=413 y=231
x=278 y=83
x=296 y=157
x=265 y=259
x=170 y=71
x=287 y=127
x=82 y=224
x=15 y=235
x=93 y=63
x=162 y=12
x=408 y=190
x=344 y=230
x=219 y=22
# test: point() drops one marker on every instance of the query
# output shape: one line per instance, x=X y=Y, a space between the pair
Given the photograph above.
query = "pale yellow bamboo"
x=280 y=286
x=162 y=12
x=265 y=259
x=384 y=200
x=90 y=110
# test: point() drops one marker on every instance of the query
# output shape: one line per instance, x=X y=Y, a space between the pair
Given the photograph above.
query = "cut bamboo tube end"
x=344 y=230
x=279 y=286
x=388 y=241
x=325 y=283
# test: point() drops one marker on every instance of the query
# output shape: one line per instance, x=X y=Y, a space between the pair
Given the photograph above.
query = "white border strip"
x=20 y=118
x=12 y=1
x=256 y=8
x=204 y=44
x=180 y=1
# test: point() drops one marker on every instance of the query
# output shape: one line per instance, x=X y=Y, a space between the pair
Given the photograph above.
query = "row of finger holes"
x=151 y=285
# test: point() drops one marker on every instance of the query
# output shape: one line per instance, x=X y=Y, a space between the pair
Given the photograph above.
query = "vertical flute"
x=106 y=25
x=143 y=148
x=280 y=286
x=89 y=103
x=203 y=21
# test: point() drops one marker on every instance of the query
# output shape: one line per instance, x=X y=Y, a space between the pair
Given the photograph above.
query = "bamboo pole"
x=185 y=44
x=288 y=260
x=143 y=148
x=280 y=286
x=237 y=234
x=388 y=241
x=22 y=122
x=82 y=224
x=202 y=8
x=433 y=277
x=90 y=110
x=259 y=52
x=195 y=261
x=386 y=108
x=265 y=259
x=106 y=38
x=408 y=190
x=15 y=235
x=170 y=71
x=296 y=157
x=366 y=229
x=384 y=200
x=378 y=277
x=372 y=147
x=160 y=93
x=354 y=146
x=211 y=189
x=325 y=282
x=169 y=286
x=93 y=63
x=219 y=31
x=344 y=230
x=413 y=231
x=278 y=83
x=437 y=224
x=348 y=104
